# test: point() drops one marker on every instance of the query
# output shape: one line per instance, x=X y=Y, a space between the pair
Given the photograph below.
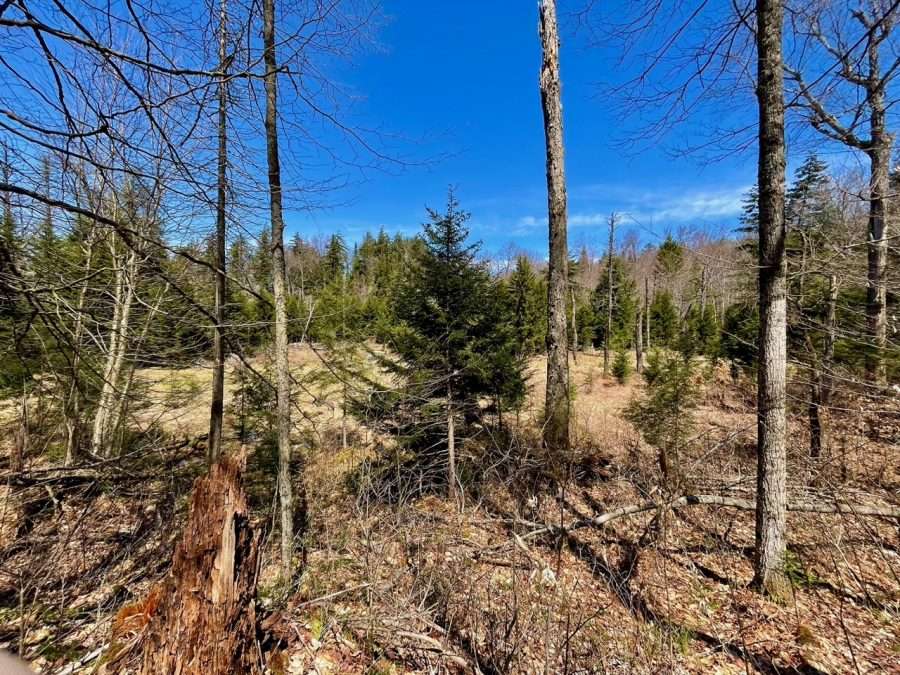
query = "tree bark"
x=830 y=339
x=21 y=441
x=72 y=412
x=877 y=245
x=574 y=325
x=609 y=294
x=452 y=485
x=556 y=423
x=282 y=366
x=202 y=619
x=639 y=342
x=217 y=405
x=647 y=309
x=106 y=419
x=771 y=500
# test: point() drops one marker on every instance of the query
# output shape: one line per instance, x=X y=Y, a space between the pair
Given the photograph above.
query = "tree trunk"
x=771 y=499
x=609 y=294
x=106 y=418
x=202 y=619
x=816 y=431
x=217 y=405
x=830 y=338
x=72 y=411
x=639 y=342
x=20 y=442
x=556 y=423
x=574 y=326
x=282 y=365
x=876 y=287
x=647 y=309
x=452 y=485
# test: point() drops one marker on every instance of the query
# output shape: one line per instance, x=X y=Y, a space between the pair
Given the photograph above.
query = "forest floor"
x=413 y=584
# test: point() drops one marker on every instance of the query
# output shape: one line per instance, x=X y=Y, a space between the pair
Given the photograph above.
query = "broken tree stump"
x=205 y=622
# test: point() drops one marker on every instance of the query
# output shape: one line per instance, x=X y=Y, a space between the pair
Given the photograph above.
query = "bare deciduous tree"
x=848 y=101
x=556 y=424
x=771 y=498
x=217 y=404
x=282 y=365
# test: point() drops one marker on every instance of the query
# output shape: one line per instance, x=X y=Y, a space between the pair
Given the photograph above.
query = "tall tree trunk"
x=282 y=366
x=217 y=405
x=879 y=191
x=639 y=342
x=106 y=419
x=574 y=325
x=21 y=441
x=609 y=293
x=876 y=287
x=647 y=309
x=771 y=499
x=830 y=338
x=72 y=412
x=556 y=413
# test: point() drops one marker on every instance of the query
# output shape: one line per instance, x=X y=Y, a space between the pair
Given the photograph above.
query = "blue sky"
x=455 y=84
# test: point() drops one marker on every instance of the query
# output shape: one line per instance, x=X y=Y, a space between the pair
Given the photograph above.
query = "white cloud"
x=659 y=208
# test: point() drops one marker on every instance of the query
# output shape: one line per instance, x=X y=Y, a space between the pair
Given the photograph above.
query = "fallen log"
x=877 y=510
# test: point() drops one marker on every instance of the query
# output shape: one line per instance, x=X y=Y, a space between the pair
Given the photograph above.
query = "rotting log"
x=202 y=620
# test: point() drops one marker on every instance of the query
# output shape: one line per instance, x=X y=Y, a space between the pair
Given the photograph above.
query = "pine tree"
x=334 y=263
x=749 y=218
x=664 y=320
x=669 y=257
x=625 y=303
x=261 y=262
x=808 y=199
x=456 y=339
x=529 y=319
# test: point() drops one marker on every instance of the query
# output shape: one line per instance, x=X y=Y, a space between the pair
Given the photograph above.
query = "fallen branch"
x=435 y=645
x=331 y=596
x=876 y=510
x=83 y=661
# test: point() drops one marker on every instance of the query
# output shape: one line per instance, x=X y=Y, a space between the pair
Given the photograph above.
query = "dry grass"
x=420 y=587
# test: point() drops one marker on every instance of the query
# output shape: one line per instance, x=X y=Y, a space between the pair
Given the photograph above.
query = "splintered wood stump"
x=205 y=623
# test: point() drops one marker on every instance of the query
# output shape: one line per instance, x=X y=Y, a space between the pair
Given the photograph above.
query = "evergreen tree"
x=749 y=218
x=669 y=257
x=665 y=415
x=699 y=332
x=808 y=199
x=664 y=320
x=456 y=339
x=625 y=305
x=334 y=263
x=528 y=297
x=261 y=262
